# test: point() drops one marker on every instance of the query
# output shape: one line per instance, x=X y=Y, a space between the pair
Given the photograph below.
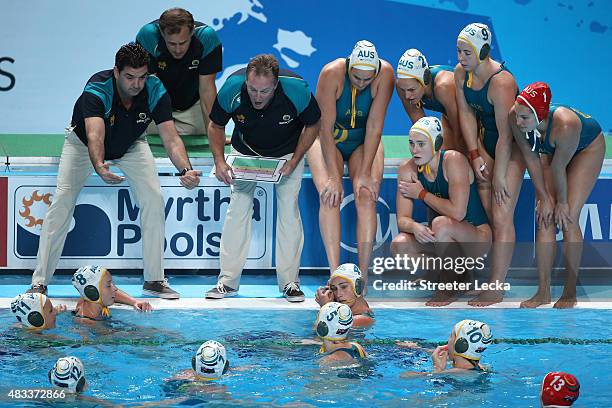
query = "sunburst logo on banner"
x=30 y=210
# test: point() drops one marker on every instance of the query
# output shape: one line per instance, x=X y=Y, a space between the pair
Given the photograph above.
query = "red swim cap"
x=559 y=389
x=537 y=98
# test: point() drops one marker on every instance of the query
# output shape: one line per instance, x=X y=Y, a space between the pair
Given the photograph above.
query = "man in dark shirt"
x=185 y=55
x=108 y=124
x=276 y=115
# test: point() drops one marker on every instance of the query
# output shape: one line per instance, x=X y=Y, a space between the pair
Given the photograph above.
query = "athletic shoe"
x=293 y=293
x=220 y=291
x=160 y=289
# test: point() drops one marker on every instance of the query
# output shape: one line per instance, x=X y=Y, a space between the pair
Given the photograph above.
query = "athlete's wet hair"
x=263 y=65
x=172 y=20
x=131 y=55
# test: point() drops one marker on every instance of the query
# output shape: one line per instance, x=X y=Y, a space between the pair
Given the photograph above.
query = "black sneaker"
x=220 y=291
x=160 y=289
x=293 y=293
x=38 y=288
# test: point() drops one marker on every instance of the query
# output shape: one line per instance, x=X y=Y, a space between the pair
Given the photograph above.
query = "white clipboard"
x=254 y=168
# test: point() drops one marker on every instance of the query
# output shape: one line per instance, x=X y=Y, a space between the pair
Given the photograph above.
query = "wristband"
x=473 y=154
x=422 y=194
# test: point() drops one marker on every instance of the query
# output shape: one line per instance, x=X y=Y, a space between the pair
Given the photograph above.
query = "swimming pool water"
x=129 y=359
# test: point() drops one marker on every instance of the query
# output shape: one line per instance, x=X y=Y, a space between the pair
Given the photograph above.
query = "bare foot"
x=538 y=299
x=442 y=298
x=487 y=298
x=566 y=302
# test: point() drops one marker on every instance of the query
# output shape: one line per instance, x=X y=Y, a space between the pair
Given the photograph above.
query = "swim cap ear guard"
x=28 y=309
x=68 y=373
x=484 y=51
x=92 y=292
x=461 y=346
x=426 y=76
x=36 y=319
x=358 y=286
x=322 y=329
x=438 y=142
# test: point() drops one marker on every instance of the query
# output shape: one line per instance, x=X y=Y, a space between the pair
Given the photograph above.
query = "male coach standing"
x=275 y=115
x=185 y=55
x=108 y=124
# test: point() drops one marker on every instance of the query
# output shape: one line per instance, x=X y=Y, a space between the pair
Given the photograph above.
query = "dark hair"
x=171 y=21
x=263 y=64
x=131 y=55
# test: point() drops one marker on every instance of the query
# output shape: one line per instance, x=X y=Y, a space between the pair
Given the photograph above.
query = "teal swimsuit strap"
x=350 y=351
x=354 y=351
x=501 y=69
x=74 y=313
x=477 y=366
x=433 y=83
x=546 y=137
x=486 y=84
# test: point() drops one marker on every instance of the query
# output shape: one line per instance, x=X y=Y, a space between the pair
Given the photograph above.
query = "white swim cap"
x=471 y=339
x=364 y=56
x=334 y=321
x=351 y=273
x=28 y=309
x=413 y=64
x=210 y=360
x=431 y=127
x=478 y=36
x=87 y=280
x=68 y=373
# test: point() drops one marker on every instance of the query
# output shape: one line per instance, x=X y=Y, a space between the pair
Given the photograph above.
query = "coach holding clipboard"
x=275 y=115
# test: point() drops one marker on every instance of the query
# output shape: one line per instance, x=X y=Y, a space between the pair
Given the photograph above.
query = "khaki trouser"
x=75 y=167
x=236 y=235
x=187 y=122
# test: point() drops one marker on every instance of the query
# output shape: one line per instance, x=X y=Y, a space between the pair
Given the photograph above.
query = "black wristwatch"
x=184 y=171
